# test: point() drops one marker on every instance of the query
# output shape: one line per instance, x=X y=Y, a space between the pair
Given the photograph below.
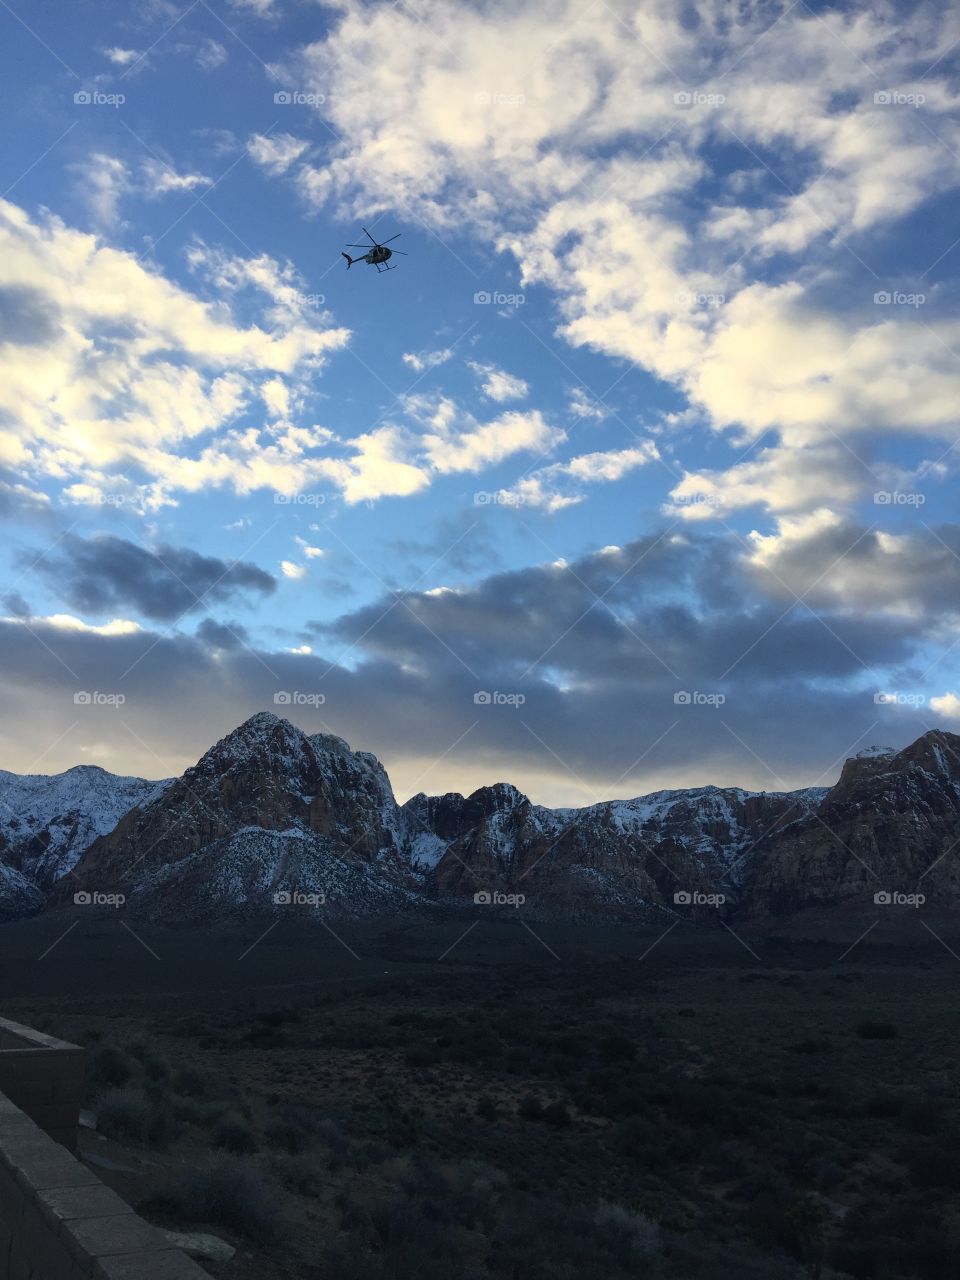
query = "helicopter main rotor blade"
x=359 y=246
x=369 y=236
x=401 y=253
x=396 y=237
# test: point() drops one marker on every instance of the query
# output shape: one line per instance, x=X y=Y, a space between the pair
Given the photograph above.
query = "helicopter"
x=377 y=256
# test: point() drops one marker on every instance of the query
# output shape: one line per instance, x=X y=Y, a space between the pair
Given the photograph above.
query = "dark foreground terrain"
x=409 y=1100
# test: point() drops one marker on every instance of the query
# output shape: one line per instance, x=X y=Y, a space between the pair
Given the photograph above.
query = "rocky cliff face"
x=890 y=825
x=266 y=810
x=270 y=817
x=614 y=855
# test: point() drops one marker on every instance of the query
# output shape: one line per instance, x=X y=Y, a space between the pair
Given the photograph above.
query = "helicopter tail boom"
x=350 y=261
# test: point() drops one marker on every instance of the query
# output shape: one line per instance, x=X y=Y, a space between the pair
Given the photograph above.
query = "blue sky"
x=662 y=401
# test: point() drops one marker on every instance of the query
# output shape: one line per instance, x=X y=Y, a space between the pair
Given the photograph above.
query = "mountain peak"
x=875 y=753
x=258 y=721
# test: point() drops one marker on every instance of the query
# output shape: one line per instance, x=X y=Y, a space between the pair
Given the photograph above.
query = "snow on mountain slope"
x=46 y=822
x=18 y=895
x=264 y=791
x=291 y=873
x=270 y=810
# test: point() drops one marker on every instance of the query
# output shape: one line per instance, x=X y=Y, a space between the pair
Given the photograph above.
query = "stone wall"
x=57 y=1219
x=44 y=1077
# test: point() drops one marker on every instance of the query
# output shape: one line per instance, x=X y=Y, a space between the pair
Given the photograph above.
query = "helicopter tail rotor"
x=350 y=261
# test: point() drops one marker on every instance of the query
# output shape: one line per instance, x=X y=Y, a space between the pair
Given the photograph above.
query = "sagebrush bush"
x=108 y=1065
x=234 y=1134
x=227 y=1192
x=132 y=1114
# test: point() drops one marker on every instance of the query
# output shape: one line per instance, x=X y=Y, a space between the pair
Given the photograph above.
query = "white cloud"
x=561 y=484
x=210 y=54
x=454 y=440
x=420 y=361
x=160 y=179
x=66 y=622
x=128 y=370
x=276 y=396
x=854 y=569
x=497 y=384
x=947 y=705
x=102 y=181
x=291 y=570
x=674 y=260
x=582 y=406
x=778 y=478
x=121 y=57
x=276 y=152
x=312 y=553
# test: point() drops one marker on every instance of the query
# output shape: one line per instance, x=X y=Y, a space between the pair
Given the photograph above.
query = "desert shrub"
x=266 y=1037
x=304 y=1174
x=132 y=1114
x=935 y=1162
x=640 y=1233
x=486 y=1107
x=279 y=1017
x=556 y=1113
x=421 y=1056
x=227 y=1192
x=108 y=1065
x=869 y=1029
x=153 y=1065
x=234 y=1134
x=883 y=1106
x=923 y=1115
x=811 y=1046
x=191 y=1084
x=530 y=1108
x=616 y=1049
x=195 y=1111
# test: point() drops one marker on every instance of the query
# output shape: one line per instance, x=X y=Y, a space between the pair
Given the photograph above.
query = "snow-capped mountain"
x=267 y=811
x=271 y=819
x=46 y=822
x=618 y=854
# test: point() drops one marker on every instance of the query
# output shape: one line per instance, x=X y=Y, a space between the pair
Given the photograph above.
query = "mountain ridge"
x=270 y=812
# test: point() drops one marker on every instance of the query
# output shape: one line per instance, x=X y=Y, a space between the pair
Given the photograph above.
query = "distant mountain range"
x=273 y=820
